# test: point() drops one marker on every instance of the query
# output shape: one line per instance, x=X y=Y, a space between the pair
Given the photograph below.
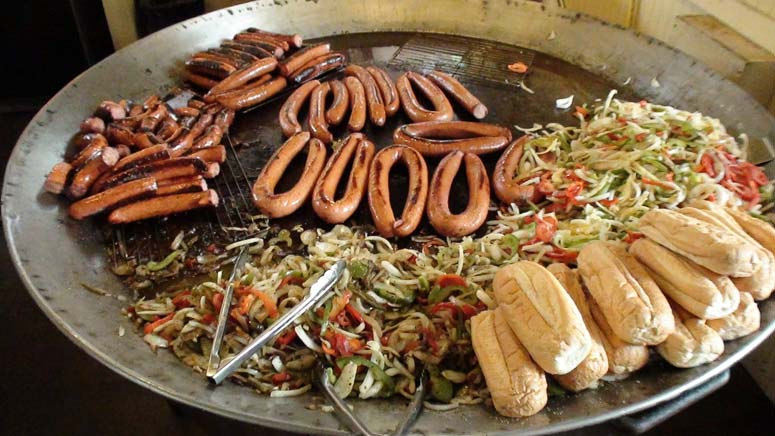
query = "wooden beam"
x=750 y=22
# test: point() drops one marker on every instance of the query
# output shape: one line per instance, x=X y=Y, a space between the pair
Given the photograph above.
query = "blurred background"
x=52 y=387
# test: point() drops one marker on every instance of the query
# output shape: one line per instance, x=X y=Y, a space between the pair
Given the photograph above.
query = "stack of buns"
x=687 y=286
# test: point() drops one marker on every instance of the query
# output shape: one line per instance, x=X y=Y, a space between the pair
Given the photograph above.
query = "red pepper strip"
x=581 y=111
x=450 y=280
x=280 y=378
x=647 y=181
x=181 y=300
x=208 y=318
x=290 y=280
x=632 y=237
x=339 y=305
x=342 y=319
x=573 y=190
x=245 y=302
x=217 y=301
x=269 y=303
x=706 y=165
x=562 y=255
x=467 y=310
x=149 y=328
x=329 y=351
x=609 y=203
x=286 y=338
x=640 y=137
x=346 y=346
x=353 y=312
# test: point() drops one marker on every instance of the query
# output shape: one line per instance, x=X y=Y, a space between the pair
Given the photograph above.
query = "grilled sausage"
x=224 y=118
x=438 y=138
x=215 y=153
x=245 y=75
x=373 y=97
x=336 y=112
x=211 y=137
x=112 y=198
x=57 y=178
x=123 y=150
x=504 y=178
x=468 y=221
x=247 y=48
x=197 y=179
x=210 y=67
x=95 y=146
x=168 y=128
x=118 y=134
x=387 y=89
x=159 y=170
x=212 y=97
x=86 y=176
x=163 y=206
x=457 y=91
x=199 y=80
x=93 y=125
x=317 y=107
x=212 y=170
x=357 y=104
x=317 y=67
x=289 y=112
x=236 y=55
x=379 y=191
x=254 y=96
x=149 y=122
x=142 y=157
x=263 y=39
x=110 y=111
x=292 y=63
x=198 y=184
x=217 y=57
x=279 y=205
x=294 y=40
x=269 y=46
x=330 y=210
x=412 y=107
x=145 y=140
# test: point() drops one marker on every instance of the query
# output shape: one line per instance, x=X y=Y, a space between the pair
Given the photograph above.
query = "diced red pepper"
x=450 y=280
x=609 y=203
x=217 y=301
x=339 y=305
x=280 y=378
x=181 y=300
x=286 y=338
x=208 y=318
x=581 y=111
x=573 y=190
x=290 y=280
x=562 y=255
x=632 y=237
x=149 y=328
x=640 y=137
x=353 y=312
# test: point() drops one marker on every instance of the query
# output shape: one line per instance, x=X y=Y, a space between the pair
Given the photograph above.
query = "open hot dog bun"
x=595 y=365
x=709 y=246
x=543 y=316
x=702 y=292
x=692 y=344
x=517 y=385
x=632 y=303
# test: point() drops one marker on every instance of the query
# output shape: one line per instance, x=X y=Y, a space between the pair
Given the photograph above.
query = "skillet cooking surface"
x=54 y=254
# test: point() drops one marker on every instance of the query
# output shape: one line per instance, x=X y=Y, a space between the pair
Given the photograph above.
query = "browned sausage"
x=210 y=68
x=292 y=63
x=82 y=140
x=185 y=141
x=437 y=138
x=247 y=48
x=357 y=104
x=317 y=107
x=245 y=75
x=159 y=169
x=379 y=191
x=412 y=107
x=202 y=123
x=224 y=118
x=113 y=197
x=117 y=134
x=294 y=40
x=95 y=146
x=168 y=128
x=456 y=90
x=190 y=184
x=264 y=39
x=110 y=111
x=317 y=67
x=145 y=139
x=211 y=137
x=93 y=125
x=57 y=178
x=180 y=180
x=86 y=176
x=475 y=214
x=270 y=47
x=212 y=171
x=336 y=112
x=279 y=205
x=289 y=112
x=142 y=157
x=211 y=154
x=216 y=57
x=199 y=80
x=123 y=150
x=237 y=55
x=210 y=98
x=330 y=210
x=373 y=97
x=254 y=96
x=163 y=206
x=504 y=178
x=187 y=111
x=152 y=120
x=387 y=89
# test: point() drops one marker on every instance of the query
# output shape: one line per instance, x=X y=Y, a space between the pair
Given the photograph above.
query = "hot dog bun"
x=627 y=295
x=742 y=322
x=692 y=344
x=517 y=385
x=761 y=231
x=623 y=358
x=543 y=316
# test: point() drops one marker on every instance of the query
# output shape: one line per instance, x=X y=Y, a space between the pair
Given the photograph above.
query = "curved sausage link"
x=292 y=63
x=357 y=104
x=505 y=175
x=438 y=138
x=387 y=89
x=414 y=110
x=332 y=211
x=373 y=97
x=456 y=90
x=245 y=75
x=279 y=205
x=379 y=191
x=336 y=112
x=317 y=67
x=253 y=95
x=475 y=214
x=317 y=108
x=289 y=112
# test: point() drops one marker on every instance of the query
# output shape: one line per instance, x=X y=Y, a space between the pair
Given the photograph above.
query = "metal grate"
x=474 y=61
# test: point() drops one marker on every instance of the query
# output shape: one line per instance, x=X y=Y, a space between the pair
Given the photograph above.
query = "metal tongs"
x=217 y=373
x=354 y=423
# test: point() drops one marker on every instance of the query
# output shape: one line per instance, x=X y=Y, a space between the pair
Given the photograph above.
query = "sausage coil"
x=414 y=110
x=317 y=120
x=336 y=112
x=316 y=67
x=504 y=178
x=254 y=96
x=387 y=89
x=292 y=63
x=289 y=112
x=438 y=138
x=457 y=91
x=475 y=214
x=357 y=104
x=373 y=98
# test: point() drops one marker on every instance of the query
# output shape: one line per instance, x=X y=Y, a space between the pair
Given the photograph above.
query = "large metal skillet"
x=54 y=255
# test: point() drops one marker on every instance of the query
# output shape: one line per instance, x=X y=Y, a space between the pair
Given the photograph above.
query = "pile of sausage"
x=257 y=65
x=689 y=285
x=143 y=160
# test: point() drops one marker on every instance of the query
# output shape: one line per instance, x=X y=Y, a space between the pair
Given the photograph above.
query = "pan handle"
x=642 y=422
